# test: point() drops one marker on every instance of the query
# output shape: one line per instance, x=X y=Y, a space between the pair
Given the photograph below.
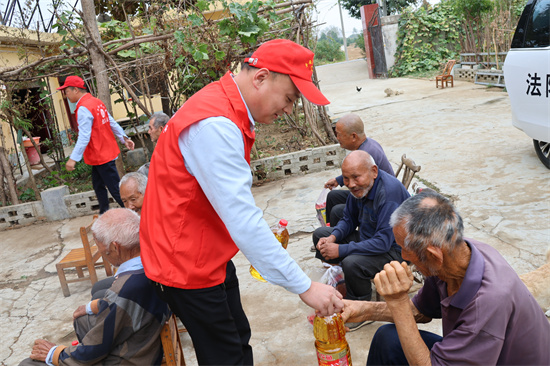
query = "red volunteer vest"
x=184 y=243
x=102 y=147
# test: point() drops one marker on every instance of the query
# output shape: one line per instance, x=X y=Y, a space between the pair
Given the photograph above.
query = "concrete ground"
x=463 y=139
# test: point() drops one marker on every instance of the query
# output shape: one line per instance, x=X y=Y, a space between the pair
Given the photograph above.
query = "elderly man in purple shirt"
x=489 y=317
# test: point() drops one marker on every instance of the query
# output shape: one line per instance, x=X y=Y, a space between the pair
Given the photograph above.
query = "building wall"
x=15 y=44
x=389 y=33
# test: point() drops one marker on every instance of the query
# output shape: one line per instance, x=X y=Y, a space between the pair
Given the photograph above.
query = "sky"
x=327 y=12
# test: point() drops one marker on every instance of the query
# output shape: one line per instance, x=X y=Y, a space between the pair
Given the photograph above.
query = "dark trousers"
x=105 y=177
x=385 y=348
x=215 y=320
x=336 y=202
x=358 y=269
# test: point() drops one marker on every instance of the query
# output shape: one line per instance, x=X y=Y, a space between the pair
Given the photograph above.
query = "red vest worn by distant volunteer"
x=102 y=147
x=184 y=243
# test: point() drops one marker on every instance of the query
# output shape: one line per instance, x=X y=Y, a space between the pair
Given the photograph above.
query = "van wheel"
x=543 y=152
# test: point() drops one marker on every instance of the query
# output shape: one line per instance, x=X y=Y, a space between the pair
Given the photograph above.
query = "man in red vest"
x=199 y=211
x=96 y=141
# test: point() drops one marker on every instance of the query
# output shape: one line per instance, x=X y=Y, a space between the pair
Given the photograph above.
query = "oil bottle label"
x=333 y=359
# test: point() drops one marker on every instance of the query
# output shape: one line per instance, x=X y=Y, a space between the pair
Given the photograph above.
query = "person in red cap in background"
x=199 y=211
x=96 y=141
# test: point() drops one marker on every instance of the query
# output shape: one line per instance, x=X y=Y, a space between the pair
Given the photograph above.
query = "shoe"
x=354 y=326
x=313 y=249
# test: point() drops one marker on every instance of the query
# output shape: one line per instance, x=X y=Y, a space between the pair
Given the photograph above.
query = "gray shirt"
x=491 y=320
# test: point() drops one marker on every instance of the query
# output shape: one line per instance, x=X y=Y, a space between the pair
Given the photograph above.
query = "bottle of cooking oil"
x=281 y=233
x=330 y=341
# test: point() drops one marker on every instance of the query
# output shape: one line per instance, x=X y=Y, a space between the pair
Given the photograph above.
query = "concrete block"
x=136 y=157
x=22 y=214
x=300 y=162
x=53 y=200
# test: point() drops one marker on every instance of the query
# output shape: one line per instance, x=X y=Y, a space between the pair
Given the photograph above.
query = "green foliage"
x=360 y=42
x=328 y=46
x=27 y=195
x=394 y=6
x=426 y=39
x=471 y=9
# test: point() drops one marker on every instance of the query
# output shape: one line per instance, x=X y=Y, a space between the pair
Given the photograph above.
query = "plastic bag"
x=333 y=275
x=321 y=207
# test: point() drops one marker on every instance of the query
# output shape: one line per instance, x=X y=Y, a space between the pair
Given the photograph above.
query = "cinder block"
x=53 y=200
x=22 y=214
x=300 y=162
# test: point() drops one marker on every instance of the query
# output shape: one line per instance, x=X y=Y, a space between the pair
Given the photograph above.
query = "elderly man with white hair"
x=123 y=327
x=132 y=190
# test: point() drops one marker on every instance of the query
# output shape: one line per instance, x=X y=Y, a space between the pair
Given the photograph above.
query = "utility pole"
x=343 y=31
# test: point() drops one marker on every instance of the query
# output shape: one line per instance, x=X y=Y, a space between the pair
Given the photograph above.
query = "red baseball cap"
x=75 y=81
x=286 y=57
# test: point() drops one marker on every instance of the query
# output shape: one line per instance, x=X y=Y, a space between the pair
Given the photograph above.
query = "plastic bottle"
x=330 y=341
x=281 y=233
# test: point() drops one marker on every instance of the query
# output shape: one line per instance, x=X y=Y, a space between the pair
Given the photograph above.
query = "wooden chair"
x=171 y=343
x=446 y=76
x=409 y=170
x=85 y=257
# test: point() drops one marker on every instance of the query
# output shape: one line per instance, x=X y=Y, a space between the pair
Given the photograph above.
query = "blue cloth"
x=377 y=152
x=372 y=215
x=385 y=348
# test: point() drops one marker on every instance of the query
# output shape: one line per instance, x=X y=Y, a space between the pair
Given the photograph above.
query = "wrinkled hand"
x=129 y=143
x=40 y=349
x=328 y=250
x=331 y=184
x=70 y=165
x=356 y=311
x=325 y=299
x=80 y=311
x=394 y=281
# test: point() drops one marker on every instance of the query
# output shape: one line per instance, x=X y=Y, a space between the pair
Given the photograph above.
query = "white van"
x=527 y=76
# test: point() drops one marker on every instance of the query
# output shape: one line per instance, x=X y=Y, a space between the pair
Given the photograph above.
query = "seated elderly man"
x=489 y=317
x=350 y=132
x=132 y=189
x=156 y=124
x=122 y=328
x=374 y=196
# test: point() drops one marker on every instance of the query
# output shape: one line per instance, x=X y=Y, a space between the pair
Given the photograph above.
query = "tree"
x=393 y=6
x=328 y=45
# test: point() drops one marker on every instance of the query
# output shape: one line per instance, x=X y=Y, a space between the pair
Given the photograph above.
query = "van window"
x=537 y=33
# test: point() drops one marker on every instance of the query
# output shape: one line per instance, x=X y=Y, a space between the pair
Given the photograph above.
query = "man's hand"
x=40 y=349
x=129 y=143
x=394 y=281
x=70 y=165
x=328 y=250
x=325 y=299
x=80 y=311
x=331 y=184
x=356 y=311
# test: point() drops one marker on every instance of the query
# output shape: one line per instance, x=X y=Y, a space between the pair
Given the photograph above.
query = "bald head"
x=350 y=131
x=359 y=172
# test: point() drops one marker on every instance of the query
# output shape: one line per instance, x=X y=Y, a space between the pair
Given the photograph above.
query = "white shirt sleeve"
x=85 y=122
x=117 y=130
x=213 y=151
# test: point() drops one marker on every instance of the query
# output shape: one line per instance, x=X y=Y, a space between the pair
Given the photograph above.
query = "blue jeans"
x=385 y=348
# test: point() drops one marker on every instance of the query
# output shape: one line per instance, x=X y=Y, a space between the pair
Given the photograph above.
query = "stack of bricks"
x=465 y=74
